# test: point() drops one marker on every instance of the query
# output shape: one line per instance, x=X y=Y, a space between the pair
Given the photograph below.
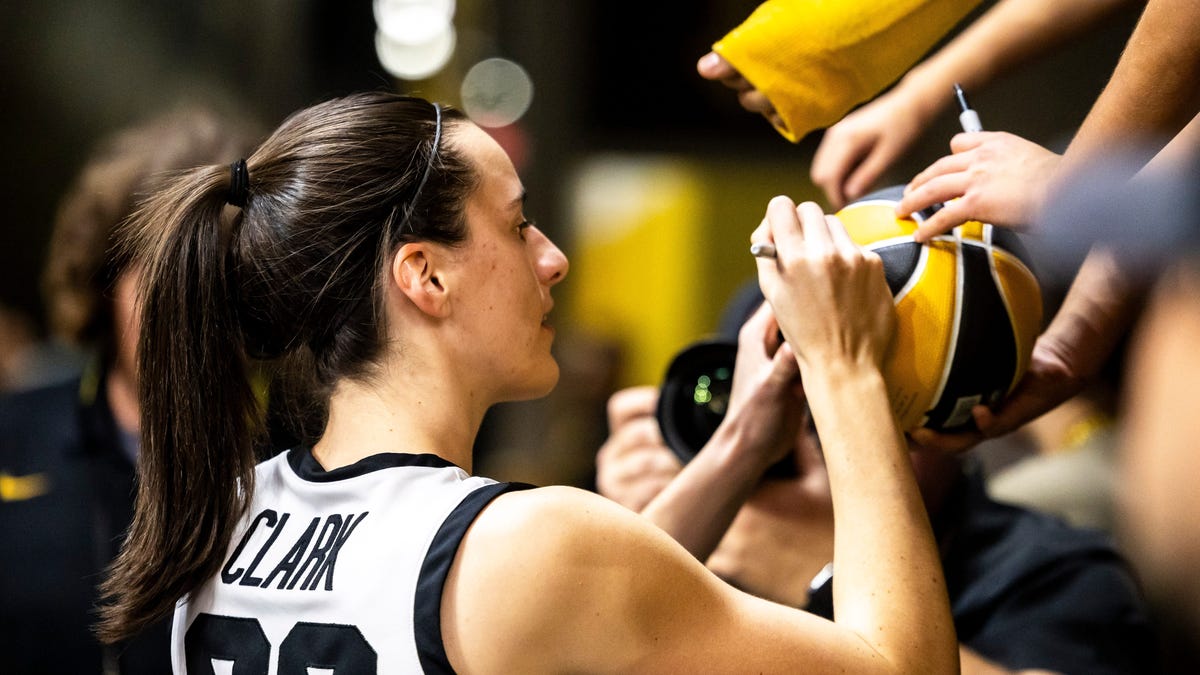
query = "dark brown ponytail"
x=191 y=366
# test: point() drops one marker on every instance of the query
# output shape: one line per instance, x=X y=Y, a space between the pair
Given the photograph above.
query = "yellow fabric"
x=816 y=59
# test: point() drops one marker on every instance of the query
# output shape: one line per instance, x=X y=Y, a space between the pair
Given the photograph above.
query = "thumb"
x=784 y=365
x=712 y=66
x=964 y=141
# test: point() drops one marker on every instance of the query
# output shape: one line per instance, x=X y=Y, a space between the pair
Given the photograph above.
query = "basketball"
x=968 y=309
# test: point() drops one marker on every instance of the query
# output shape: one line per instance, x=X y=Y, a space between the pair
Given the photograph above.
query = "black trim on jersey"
x=307 y=467
x=427 y=606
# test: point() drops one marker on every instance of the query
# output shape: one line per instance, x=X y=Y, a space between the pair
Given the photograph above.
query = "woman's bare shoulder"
x=549 y=566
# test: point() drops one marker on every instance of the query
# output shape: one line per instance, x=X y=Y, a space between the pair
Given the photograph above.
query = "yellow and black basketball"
x=968 y=307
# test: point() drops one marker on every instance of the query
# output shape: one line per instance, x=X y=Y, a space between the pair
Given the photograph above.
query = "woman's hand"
x=829 y=296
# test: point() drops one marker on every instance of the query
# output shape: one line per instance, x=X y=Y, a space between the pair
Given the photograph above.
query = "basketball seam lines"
x=911 y=283
x=1012 y=319
x=952 y=347
x=890 y=241
x=1013 y=260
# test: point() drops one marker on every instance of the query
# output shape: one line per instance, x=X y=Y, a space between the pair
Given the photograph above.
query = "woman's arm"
x=1150 y=97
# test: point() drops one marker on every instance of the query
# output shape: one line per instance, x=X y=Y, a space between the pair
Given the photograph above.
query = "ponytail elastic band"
x=239 y=184
x=437 y=139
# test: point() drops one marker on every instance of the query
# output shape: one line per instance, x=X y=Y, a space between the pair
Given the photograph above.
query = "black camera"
x=695 y=396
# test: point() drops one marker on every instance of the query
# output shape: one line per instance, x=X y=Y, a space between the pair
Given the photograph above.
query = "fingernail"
x=709 y=60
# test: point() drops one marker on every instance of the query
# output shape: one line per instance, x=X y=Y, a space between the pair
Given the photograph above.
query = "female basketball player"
x=378 y=244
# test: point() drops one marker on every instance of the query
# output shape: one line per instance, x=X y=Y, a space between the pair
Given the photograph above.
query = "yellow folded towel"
x=816 y=59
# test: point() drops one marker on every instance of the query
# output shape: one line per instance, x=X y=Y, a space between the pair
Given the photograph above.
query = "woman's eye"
x=522 y=227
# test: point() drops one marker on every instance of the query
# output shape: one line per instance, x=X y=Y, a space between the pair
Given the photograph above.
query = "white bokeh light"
x=415 y=38
x=496 y=92
x=413 y=21
x=415 y=61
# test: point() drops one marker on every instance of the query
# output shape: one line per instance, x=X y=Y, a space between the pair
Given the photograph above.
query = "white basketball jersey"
x=338 y=572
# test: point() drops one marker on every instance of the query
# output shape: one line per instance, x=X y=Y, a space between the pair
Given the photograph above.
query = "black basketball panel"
x=899 y=263
x=893 y=193
x=1011 y=241
x=984 y=357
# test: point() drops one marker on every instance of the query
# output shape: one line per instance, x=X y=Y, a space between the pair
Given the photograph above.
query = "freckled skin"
x=505 y=286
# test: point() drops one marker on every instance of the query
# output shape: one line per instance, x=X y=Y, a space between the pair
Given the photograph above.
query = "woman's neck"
x=419 y=417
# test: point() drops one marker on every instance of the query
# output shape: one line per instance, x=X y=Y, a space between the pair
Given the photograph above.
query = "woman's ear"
x=415 y=274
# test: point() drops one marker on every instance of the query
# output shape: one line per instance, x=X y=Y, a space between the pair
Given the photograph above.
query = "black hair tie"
x=239 y=184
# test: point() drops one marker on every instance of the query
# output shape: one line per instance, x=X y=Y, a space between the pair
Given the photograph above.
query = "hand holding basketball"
x=829 y=296
x=968 y=308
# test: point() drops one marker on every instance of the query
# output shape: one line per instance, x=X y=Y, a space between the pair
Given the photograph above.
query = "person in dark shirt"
x=68 y=449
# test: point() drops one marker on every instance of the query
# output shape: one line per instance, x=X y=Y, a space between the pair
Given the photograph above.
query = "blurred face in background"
x=1160 y=465
x=126 y=321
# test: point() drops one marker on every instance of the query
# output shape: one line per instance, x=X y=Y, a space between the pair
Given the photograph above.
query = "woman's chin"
x=538 y=386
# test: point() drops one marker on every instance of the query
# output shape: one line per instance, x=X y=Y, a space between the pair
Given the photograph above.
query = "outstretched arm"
x=805 y=63
x=1151 y=95
x=820 y=272
x=1102 y=302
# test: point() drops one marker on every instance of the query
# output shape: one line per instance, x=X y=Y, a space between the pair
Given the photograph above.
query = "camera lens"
x=695 y=397
x=711 y=396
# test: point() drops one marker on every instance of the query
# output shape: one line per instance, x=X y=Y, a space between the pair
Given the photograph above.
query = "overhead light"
x=415 y=38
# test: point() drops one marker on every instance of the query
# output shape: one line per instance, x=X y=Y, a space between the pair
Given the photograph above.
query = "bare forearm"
x=1009 y=34
x=1098 y=308
x=1152 y=92
x=698 y=506
x=883 y=544
x=1183 y=148
x=1105 y=296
